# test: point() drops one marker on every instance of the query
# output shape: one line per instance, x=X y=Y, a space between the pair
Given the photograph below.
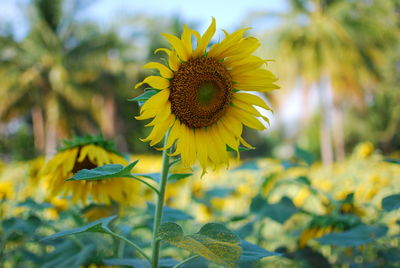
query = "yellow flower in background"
x=364 y=150
x=89 y=153
x=6 y=190
x=314 y=232
x=202 y=95
x=301 y=196
x=95 y=212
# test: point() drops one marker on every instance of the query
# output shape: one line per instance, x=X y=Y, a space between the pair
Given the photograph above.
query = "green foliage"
x=99 y=226
x=104 y=172
x=279 y=212
x=252 y=252
x=391 y=202
x=169 y=214
x=359 y=235
x=144 y=97
x=214 y=242
x=78 y=141
x=138 y=263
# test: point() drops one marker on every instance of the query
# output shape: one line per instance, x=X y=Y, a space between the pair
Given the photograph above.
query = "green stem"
x=129 y=242
x=159 y=205
x=185 y=261
x=145 y=182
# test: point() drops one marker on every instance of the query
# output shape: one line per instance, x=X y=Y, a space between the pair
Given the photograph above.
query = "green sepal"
x=145 y=96
x=89 y=139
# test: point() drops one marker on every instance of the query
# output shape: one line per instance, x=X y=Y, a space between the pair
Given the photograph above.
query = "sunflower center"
x=85 y=164
x=201 y=91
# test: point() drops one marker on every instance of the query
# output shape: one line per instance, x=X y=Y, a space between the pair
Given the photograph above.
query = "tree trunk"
x=52 y=116
x=108 y=117
x=38 y=128
x=325 y=126
x=338 y=133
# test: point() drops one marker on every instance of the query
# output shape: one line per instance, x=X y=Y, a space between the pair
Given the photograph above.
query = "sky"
x=228 y=14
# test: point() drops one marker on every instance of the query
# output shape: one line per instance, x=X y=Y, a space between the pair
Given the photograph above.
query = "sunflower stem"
x=186 y=261
x=160 y=205
x=129 y=242
x=146 y=183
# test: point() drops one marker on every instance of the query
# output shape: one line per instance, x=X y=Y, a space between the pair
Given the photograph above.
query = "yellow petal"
x=164 y=70
x=230 y=41
x=229 y=137
x=156 y=101
x=232 y=123
x=178 y=45
x=249 y=108
x=83 y=153
x=160 y=117
x=173 y=135
x=248 y=119
x=201 y=150
x=252 y=99
x=158 y=131
x=187 y=39
x=156 y=82
x=245 y=144
x=173 y=61
x=213 y=148
x=205 y=39
x=219 y=143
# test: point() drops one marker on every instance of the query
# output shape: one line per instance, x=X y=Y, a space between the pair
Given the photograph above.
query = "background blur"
x=68 y=67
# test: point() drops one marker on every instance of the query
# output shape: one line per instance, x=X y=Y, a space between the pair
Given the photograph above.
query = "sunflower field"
x=143 y=140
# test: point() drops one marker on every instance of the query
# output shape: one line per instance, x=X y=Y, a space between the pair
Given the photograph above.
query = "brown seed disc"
x=201 y=91
x=85 y=164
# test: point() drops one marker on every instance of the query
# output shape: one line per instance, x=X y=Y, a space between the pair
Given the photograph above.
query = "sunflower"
x=89 y=153
x=202 y=95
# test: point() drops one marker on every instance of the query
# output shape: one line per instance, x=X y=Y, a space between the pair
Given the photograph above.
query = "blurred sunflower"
x=6 y=190
x=314 y=232
x=202 y=95
x=88 y=153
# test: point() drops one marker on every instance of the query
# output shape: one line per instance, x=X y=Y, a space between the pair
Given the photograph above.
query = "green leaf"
x=214 y=242
x=100 y=226
x=169 y=214
x=241 y=149
x=152 y=176
x=249 y=165
x=219 y=192
x=279 y=212
x=139 y=263
x=178 y=176
x=288 y=164
x=394 y=161
x=33 y=205
x=21 y=227
x=391 y=202
x=303 y=180
x=67 y=254
x=362 y=234
x=145 y=96
x=252 y=252
x=104 y=172
x=304 y=156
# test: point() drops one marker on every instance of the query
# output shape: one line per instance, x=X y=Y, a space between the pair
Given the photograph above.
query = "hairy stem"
x=160 y=205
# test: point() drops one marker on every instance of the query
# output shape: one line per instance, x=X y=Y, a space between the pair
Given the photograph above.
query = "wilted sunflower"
x=202 y=95
x=89 y=153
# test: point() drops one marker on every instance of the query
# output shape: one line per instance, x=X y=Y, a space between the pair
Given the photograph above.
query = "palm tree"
x=338 y=46
x=52 y=74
